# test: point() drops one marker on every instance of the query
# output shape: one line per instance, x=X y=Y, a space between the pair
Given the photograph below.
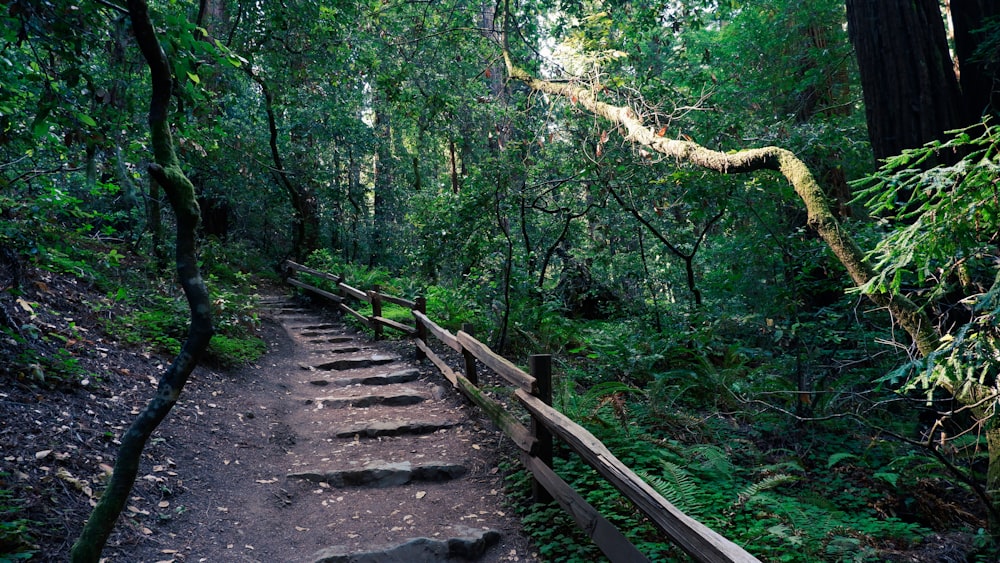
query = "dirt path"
x=332 y=449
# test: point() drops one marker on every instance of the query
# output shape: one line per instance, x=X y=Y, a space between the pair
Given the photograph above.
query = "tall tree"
x=910 y=90
x=167 y=172
x=977 y=73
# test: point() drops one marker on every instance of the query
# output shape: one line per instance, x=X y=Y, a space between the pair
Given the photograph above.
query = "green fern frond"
x=677 y=486
x=715 y=460
x=766 y=484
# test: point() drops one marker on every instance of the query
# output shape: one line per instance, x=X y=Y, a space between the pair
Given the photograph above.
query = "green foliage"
x=942 y=222
x=229 y=352
x=16 y=542
x=158 y=321
x=942 y=218
x=451 y=308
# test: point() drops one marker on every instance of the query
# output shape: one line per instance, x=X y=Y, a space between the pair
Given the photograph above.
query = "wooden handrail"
x=353 y=292
x=497 y=363
x=696 y=539
x=440 y=333
x=305 y=269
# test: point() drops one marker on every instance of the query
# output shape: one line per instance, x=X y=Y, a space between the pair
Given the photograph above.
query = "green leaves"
x=941 y=218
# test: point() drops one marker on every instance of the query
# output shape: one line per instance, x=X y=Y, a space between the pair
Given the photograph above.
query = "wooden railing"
x=534 y=392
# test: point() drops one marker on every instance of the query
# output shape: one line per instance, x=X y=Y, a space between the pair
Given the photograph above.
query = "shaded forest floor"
x=65 y=399
x=207 y=489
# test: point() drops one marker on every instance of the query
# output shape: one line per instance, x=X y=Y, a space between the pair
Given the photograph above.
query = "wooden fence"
x=533 y=390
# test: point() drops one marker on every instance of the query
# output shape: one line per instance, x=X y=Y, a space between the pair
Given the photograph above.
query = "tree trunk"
x=167 y=172
x=382 y=213
x=305 y=221
x=910 y=90
x=976 y=79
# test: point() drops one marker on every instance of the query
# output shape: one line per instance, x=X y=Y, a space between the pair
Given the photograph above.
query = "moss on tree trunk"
x=168 y=174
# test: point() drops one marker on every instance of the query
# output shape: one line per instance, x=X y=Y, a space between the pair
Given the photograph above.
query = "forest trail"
x=339 y=449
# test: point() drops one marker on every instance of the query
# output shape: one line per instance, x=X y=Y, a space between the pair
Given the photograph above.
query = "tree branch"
x=820 y=215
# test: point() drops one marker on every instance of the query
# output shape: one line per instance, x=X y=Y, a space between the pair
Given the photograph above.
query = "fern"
x=677 y=486
x=716 y=462
x=766 y=484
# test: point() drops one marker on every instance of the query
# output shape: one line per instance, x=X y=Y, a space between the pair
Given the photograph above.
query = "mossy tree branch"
x=166 y=171
x=977 y=396
x=820 y=213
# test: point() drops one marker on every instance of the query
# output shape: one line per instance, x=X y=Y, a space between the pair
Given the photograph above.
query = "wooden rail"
x=375 y=321
x=533 y=392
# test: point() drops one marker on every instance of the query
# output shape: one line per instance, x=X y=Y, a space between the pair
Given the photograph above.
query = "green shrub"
x=16 y=542
x=227 y=352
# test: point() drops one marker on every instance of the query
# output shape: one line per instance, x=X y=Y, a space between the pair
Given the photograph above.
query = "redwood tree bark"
x=167 y=172
x=977 y=79
x=910 y=90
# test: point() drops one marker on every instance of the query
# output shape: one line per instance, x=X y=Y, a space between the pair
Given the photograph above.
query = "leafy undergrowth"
x=713 y=430
x=712 y=414
x=779 y=504
x=83 y=339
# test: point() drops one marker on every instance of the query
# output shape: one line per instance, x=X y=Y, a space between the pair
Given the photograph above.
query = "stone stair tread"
x=335 y=350
x=326 y=334
x=361 y=391
x=363 y=400
x=399 y=376
x=377 y=428
x=381 y=474
x=314 y=326
x=456 y=444
x=359 y=362
x=468 y=544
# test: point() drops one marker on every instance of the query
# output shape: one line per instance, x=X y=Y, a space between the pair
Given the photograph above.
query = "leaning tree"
x=166 y=171
x=975 y=394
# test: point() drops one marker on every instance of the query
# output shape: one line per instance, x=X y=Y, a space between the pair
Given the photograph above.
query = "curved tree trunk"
x=976 y=396
x=820 y=213
x=167 y=173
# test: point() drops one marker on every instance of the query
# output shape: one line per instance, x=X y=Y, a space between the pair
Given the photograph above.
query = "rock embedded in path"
x=469 y=543
x=397 y=399
x=379 y=474
x=392 y=428
x=400 y=376
x=358 y=363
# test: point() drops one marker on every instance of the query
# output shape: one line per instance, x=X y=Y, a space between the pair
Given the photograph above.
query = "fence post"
x=376 y=310
x=421 y=306
x=470 y=360
x=541 y=369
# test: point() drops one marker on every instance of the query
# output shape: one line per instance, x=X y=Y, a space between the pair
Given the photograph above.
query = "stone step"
x=468 y=544
x=295 y=310
x=399 y=399
x=357 y=363
x=325 y=334
x=377 y=429
x=401 y=376
x=338 y=350
x=326 y=326
x=380 y=474
x=333 y=340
